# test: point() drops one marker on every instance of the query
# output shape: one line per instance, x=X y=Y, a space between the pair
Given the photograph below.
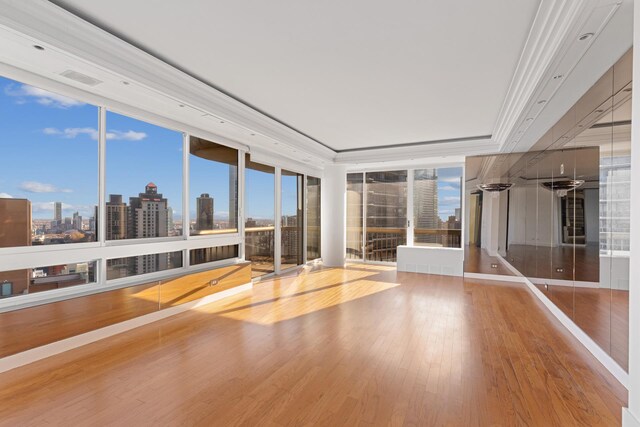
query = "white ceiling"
x=355 y=74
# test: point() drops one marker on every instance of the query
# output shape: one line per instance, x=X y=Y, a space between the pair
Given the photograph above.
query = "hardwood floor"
x=362 y=346
x=478 y=260
x=602 y=313
x=542 y=262
x=32 y=327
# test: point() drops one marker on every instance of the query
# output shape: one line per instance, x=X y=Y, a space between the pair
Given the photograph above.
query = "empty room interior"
x=338 y=213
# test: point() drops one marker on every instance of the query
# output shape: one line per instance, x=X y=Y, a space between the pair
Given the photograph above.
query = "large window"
x=213 y=184
x=32 y=280
x=292 y=220
x=377 y=204
x=313 y=218
x=144 y=180
x=132 y=266
x=62 y=158
x=217 y=253
x=49 y=178
x=437 y=207
x=260 y=193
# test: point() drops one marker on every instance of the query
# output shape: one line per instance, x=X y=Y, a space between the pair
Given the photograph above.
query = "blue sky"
x=448 y=191
x=50 y=153
x=40 y=164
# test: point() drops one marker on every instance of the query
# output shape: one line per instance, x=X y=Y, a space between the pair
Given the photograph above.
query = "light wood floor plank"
x=362 y=345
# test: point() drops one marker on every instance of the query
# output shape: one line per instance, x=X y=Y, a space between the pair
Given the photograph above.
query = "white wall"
x=592 y=215
x=503 y=223
x=530 y=226
x=517 y=212
x=333 y=218
x=490 y=222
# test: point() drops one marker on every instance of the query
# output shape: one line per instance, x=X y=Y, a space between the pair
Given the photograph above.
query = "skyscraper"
x=425 y=204
x=77 y=221
x=233 y=200
x=148 y=217
x=15 y=230
x=117 y=218
x=57 y=212
x=204 y=214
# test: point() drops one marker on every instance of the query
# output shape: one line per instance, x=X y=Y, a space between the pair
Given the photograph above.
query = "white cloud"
x=5 y=196
x=450 y=180
x=48 y=207
x=40 y=187
x=129 y=135
x=51 y=131
x=41 y=96
x=71 y=133
x=449 y=188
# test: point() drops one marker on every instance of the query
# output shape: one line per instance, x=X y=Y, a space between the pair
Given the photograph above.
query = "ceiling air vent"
x=80 y=78
x=495 y=187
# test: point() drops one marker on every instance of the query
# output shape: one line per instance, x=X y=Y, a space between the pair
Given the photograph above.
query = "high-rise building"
x=15 y=230
x=233 y=200
x=77 y=221
x=57 y=212
x=204 y=212
x=148 y=217
x=170 y=224
x=425 y=205
x=117 y=218
x=148 y=214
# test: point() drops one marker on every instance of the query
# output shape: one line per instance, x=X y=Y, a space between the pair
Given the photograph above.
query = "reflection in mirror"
x=559 y=214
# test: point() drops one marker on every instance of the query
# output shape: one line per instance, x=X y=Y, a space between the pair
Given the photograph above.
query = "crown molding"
x=54 y=26
x=464 y=147
x=552 y=49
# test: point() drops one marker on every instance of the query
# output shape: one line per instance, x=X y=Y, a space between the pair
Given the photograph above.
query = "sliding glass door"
x=386 y=214
x=376 y=215
x=292 y=220
x=355 y=223
x=313 y=218
x=260 y=193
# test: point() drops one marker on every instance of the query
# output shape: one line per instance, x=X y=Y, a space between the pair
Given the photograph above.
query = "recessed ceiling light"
x=221 y=121
x=529 y=119
x=599 y=111
x=585 y=36
x=126 y=83
x=558 y=76
x=253 y=134
x=542 y=101
x=38 y=47
x=628 y=89
x=181 y=105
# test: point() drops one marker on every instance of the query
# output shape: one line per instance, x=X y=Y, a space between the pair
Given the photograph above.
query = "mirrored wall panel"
x=559 y=214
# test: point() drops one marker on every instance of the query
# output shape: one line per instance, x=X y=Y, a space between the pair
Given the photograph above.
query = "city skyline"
x=59 y=135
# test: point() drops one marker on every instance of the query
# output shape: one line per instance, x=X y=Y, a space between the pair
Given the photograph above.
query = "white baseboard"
x=602 y=356
x=498 y=277
x=628 y=419
x=42 y=352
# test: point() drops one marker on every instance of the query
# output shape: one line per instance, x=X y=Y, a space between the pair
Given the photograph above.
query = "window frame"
x=410 y=226
x=16 y=258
